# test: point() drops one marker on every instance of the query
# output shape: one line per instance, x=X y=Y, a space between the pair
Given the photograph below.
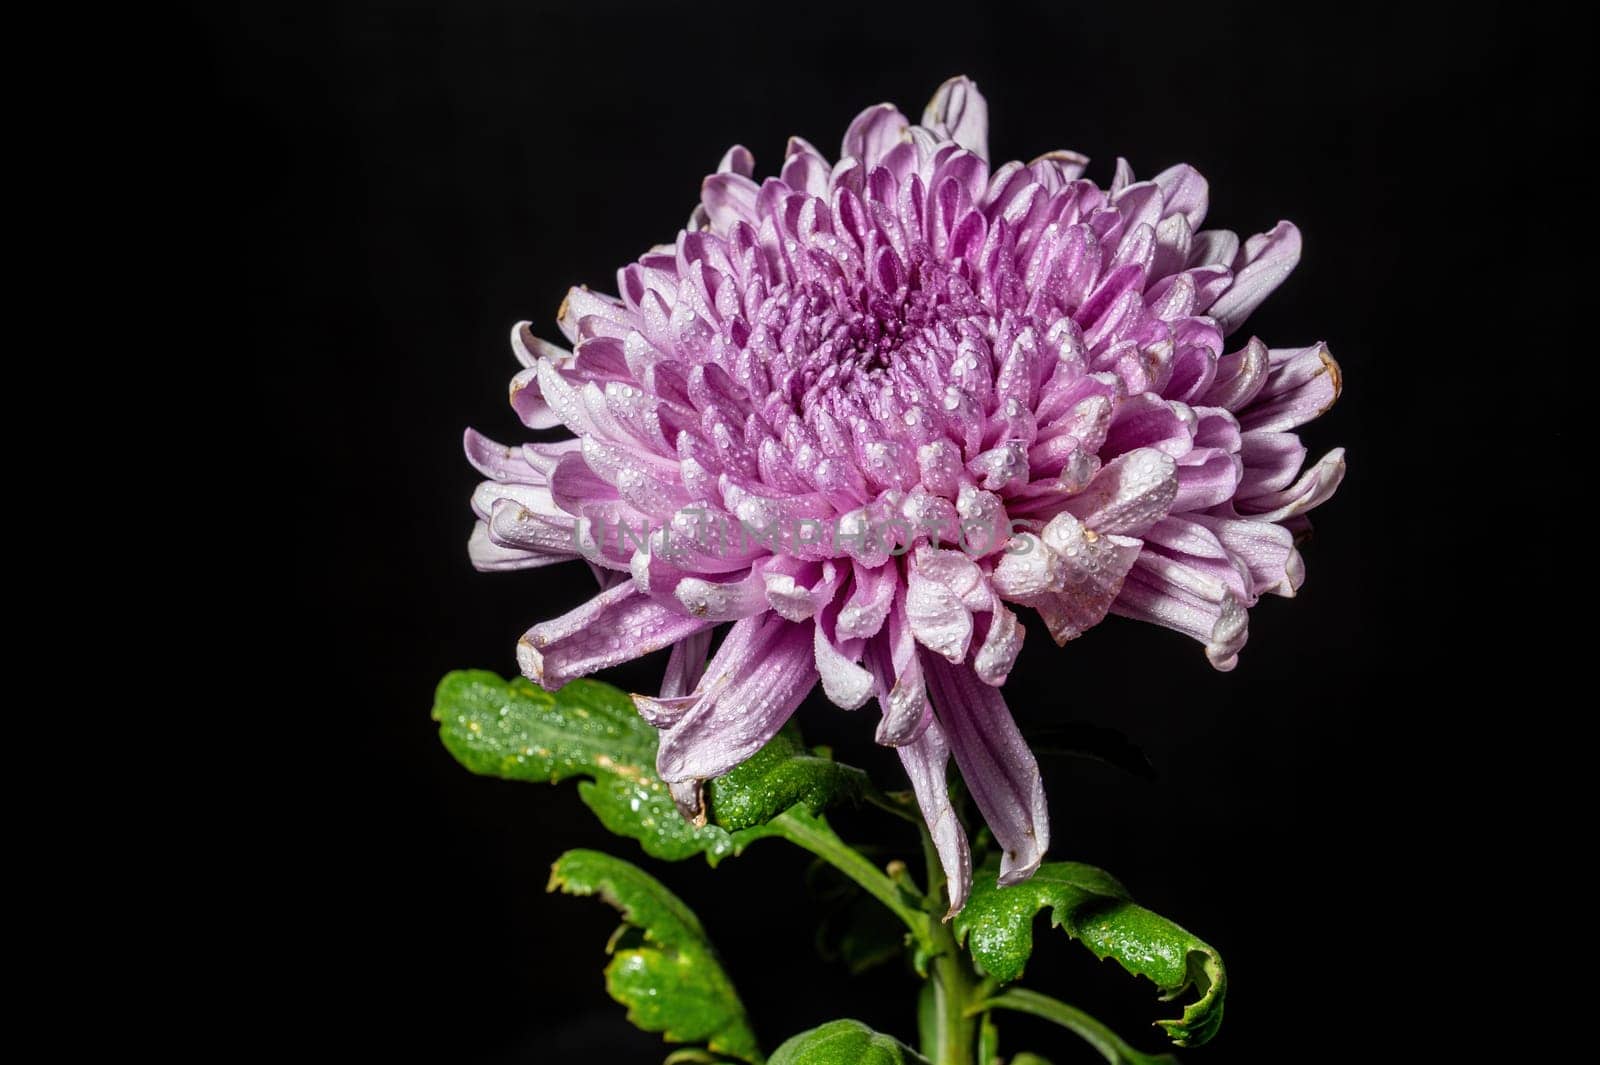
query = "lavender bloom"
x=983 y=388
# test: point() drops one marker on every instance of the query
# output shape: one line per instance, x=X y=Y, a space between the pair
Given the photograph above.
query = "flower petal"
x=1301 y=386
x=616 y=626
x=896 y=668
x=737 y=160
x=1184 y=192
x=864 y=612
x=1002 y=642
x=1157 y=590
x=873 y=133
x=1207 y=477
x=497 y=461
x=844 y=681
x=512 y=524
x=686 y=665
x=490 y=557
x=718 y=601
x=751 y=686
x=926 y=760
x=996 y=764
x=1057 y=168
x=938 y=618
x=960 y=111
x=1091 y=571
x=1314 y=488
x=1213 y=246
x=1262 y=266
x=1130 y=493
x=1239 y=377
x=1271 y=462
x=1267 y=551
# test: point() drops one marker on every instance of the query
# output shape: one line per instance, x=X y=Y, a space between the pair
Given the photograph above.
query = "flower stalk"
x=955 y=987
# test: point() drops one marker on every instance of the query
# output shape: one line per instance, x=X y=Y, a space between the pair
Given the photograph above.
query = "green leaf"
x=781 y=775
x=845 y=1043
x=666 y=973
x=1092 y=907
x=1025 y=1058
x=517 y=731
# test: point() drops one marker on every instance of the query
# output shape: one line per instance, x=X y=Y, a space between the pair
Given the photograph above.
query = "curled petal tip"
x=530 y=661
x=1017 y=873
x=1335 y=374
x=689 y=797
x=960 y=111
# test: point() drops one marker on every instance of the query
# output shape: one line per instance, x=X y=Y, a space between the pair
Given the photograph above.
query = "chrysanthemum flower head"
x=864 y=411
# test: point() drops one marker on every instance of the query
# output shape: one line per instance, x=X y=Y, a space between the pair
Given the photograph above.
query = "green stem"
x=950 y=1035
x=1097 y=1035
x=815 y=836
x=954 y=1030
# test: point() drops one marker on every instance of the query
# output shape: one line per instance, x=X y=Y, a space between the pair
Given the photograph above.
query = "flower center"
x=849 y=338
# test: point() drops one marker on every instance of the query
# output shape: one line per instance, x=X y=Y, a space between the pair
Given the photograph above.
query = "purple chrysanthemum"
x=863 y=409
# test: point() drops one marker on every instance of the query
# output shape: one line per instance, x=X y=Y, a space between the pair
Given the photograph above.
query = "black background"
x=406 y=180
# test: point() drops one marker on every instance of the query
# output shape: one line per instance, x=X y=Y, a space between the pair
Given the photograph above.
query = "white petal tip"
x=1016 y=874
x=531 y=661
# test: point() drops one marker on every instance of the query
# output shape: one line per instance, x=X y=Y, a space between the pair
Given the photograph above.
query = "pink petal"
x=1058 y=168
x=1207 y=477
x=926 y=760
x=686 y=665
x=663 y=711
x=1149 y=421
x=1267 y=551
x=1301 y=386
x=1002 y=642
x=1240 y=377
x=1156 y=591
x=864 y=612
x=497 y=461
x=1315 y=487
x=1213 y=246
x=616 y=626
x=937 y=617
x=750 y=688
x=896 y=668
x=1088 y=569
x=1185 y=193
x=1261 y=267
x=996 y=764
x=873 y=133
x=512 y=525
x=959 y=109
x=649 y=484
x=846 y=684
x=737 y=160
x=1271 y=461
x=719 y=601
x=1131 y=493
x=490 y=557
